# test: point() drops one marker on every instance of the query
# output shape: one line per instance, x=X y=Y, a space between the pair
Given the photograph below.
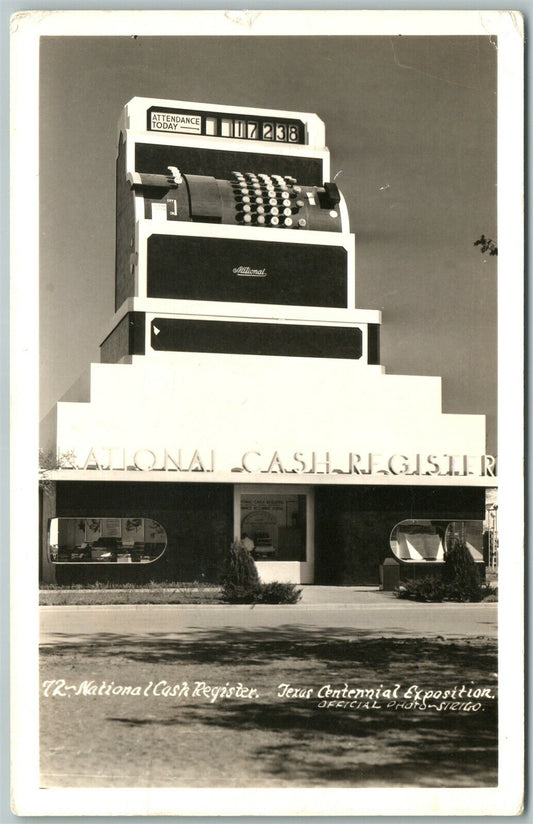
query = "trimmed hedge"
x=431 y=589
x=275 y=592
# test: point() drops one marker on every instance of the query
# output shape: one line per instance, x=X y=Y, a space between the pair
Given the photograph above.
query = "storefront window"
x=424 y=541
x=274 y=526
x=106 y=540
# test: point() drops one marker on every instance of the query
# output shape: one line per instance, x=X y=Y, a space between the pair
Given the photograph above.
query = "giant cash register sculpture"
x=191 y=239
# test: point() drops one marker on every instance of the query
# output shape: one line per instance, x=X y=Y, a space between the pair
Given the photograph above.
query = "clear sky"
x=411 y=126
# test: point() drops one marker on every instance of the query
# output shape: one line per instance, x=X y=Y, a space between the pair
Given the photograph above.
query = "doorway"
x=277 y=524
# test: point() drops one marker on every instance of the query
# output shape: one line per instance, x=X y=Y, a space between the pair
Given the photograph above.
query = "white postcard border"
x=28 y=799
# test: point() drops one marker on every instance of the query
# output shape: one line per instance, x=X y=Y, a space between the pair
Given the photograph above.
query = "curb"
x=399 y=604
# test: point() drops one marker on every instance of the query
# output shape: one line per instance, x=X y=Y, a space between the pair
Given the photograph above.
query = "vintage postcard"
x=267 y=342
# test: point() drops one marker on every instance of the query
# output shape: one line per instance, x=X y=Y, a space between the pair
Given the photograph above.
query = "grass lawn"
x=268 y=740
x=178 y=594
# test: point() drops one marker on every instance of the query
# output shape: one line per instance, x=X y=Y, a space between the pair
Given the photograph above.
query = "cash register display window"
x=273 y=527
x=106 y=540
x=424 y=541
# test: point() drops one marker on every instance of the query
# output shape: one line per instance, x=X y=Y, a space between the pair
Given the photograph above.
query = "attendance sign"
x=161 y=121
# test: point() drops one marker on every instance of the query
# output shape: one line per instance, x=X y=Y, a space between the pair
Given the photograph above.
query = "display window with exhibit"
x=276 y=524
x=277 y=527
x=428 y=541
x=106 y=540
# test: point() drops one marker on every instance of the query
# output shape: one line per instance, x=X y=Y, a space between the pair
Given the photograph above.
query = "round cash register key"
x=259 y=200
x=274 y=220
x=260 y=218
x=287 y=212
x=286 y=202
x=260 y=210
x=246 y=199
x=247 y=207
x=274 y=211
x=244 y=190
x=288 y=221
x=302 y=222
x=333 y=213
x=273 y=201
x=247 y=218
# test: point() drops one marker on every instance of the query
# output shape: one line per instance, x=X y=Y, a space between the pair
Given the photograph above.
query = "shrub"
x=425 y=589
x=235 y=594
x=277 y=592
x=460 y=581
x=241 y=584
x=461 y=574
x=240 y=570
x=274 y=592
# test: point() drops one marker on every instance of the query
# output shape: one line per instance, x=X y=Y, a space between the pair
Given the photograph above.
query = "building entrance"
x=277 y=525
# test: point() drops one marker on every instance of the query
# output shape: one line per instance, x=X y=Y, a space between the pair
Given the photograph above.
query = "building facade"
x=240 y=391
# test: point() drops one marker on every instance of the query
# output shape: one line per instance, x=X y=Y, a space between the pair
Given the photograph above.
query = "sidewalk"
x=348 y=596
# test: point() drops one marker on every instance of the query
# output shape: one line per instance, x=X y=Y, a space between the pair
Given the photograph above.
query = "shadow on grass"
x=294 y=741
x=357 y=748
x=230 y=645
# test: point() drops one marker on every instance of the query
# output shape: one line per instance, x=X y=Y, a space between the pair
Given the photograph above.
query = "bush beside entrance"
x=460 y=580
x=241 y=583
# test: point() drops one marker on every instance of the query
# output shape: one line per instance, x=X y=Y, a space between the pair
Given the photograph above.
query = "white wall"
x=235 y=403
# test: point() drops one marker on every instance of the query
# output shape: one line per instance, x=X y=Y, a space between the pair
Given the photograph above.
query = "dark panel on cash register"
x=245 y=271
x=245 y=338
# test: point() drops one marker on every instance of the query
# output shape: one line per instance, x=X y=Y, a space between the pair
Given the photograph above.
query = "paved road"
x=368 y=618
